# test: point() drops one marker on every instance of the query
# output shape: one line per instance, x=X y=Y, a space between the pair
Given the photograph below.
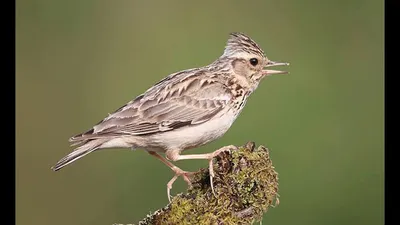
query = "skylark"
x=185 y=110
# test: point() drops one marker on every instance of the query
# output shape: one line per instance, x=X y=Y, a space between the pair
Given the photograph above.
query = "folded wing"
x=190 y=100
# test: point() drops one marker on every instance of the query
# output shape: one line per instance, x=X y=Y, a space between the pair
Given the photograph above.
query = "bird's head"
x=248 y=60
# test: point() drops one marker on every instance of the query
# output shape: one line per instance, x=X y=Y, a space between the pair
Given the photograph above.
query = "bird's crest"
x=239 y=42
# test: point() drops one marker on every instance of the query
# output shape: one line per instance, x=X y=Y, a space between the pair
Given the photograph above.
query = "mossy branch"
x=245 y=184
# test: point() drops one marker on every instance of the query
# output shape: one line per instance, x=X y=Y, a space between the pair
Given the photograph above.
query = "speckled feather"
x=186 y=99
x=184 y=110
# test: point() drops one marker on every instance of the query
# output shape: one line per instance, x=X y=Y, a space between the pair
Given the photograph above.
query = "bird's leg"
x=178 y=172
x=175 y=156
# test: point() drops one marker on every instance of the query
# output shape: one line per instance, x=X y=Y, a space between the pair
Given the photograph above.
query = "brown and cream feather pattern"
x=184 y=110
x=239 y=42
x=181 y=99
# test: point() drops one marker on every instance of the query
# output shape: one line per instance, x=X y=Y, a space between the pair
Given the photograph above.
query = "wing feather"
x=186 y=99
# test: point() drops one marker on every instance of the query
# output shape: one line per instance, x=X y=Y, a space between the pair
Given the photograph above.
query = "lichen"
x=245 y=185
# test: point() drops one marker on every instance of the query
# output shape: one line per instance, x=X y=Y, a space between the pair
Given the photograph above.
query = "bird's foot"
x=178 y=172
x=211 y=168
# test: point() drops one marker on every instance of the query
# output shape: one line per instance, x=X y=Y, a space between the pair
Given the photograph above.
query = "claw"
x=178 y=172
x=169 y=187
x=211 y=168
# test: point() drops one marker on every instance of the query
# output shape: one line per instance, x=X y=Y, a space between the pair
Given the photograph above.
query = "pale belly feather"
x=193 y=136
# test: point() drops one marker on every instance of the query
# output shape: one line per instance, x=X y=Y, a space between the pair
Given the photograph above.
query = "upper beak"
x=271 y=72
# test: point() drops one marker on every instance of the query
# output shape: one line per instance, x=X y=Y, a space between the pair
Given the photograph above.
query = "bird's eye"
x=254 y=61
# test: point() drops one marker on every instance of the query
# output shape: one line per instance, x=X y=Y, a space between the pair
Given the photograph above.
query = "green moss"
x=245 y=185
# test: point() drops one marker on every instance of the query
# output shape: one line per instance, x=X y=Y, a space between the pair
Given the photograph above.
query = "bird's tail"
x=78 y=153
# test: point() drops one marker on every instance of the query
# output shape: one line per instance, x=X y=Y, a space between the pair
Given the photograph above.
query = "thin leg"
x=175 y=156
x=178 y=172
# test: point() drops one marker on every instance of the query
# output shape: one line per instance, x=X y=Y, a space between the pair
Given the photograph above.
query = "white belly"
x=194 y=136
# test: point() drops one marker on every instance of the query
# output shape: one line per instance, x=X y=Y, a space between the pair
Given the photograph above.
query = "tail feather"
x=78 y=153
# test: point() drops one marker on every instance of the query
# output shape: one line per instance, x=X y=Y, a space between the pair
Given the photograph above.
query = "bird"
x=185 y=110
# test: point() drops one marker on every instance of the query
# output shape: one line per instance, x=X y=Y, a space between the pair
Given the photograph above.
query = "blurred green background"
x=76 y=61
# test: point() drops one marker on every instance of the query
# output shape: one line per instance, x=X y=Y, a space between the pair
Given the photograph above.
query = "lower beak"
x=271 y=72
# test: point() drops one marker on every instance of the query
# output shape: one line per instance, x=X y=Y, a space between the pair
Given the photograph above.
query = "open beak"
x=271 y=72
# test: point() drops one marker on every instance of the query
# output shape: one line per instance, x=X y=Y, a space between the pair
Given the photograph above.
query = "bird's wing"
x=172 y=103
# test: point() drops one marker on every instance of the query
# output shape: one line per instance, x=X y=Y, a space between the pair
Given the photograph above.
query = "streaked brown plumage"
x=185 y=110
